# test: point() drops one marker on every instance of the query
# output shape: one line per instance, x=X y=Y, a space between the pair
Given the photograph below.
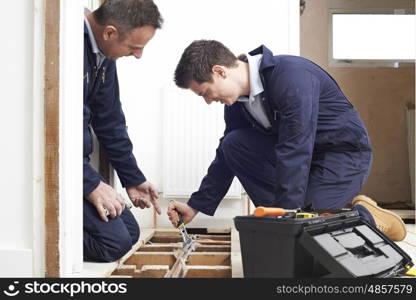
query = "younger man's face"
x=221 y=89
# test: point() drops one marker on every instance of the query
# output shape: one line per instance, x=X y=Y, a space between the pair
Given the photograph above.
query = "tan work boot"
x=386 y=221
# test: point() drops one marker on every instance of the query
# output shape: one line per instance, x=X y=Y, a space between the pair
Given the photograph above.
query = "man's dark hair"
x=198 y=59
x=127 y=15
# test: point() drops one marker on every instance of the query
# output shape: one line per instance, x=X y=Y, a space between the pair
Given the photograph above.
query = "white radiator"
x=191 y=133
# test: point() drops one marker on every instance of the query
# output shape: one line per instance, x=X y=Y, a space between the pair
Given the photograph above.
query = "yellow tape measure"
x=411 y=272
x=304 y=215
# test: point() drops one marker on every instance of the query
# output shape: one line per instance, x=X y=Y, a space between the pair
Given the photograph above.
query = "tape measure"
x=304 y=215
x=411 y=272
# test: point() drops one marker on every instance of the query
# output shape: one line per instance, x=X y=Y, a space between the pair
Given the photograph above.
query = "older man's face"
x=131 y=43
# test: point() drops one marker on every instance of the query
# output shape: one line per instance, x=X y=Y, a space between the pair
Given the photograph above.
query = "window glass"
x=373 y=36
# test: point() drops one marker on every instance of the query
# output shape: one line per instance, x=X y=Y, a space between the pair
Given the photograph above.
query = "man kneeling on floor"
x=117 y=28
x=292 y=138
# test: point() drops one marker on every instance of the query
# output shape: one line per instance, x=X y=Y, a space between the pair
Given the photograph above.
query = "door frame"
x=63 y=102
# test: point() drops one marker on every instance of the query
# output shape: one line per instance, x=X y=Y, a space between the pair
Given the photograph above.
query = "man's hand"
x=143 y=195
x=105 y=198
x=187 y=212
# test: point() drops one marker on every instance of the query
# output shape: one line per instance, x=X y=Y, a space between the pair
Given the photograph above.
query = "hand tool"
x=188 y=242
x=262 y=211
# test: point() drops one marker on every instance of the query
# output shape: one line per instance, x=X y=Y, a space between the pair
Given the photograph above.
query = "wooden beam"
x=167 y=260
x=151 y=258
x=201 y=238
x=212 y=248
x=147 y=271
x=219 y=230
x=173 y=232
x=212 y=242
x=152 y=271
x=209 y=258
x=51 y=93
x=177 y=270
x=166 y=239
x=160 y=247
x=213 y=237
x=125 y=270
x=207 y=272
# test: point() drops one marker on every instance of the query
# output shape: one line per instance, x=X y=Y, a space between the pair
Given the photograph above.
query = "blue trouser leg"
x=108 y=241
x=248 y=154
x=337 y=177
x=334 y=179
x=365 y=214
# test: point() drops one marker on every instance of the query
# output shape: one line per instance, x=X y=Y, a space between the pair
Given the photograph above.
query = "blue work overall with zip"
x=106 y=241
x=317 y=151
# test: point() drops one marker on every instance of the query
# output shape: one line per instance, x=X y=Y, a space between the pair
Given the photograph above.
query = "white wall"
x=22 y=243
x=70 y=136
x=16 y=183
x=240 y=25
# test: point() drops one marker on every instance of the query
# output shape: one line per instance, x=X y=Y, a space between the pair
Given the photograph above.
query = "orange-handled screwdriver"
x=262 y=211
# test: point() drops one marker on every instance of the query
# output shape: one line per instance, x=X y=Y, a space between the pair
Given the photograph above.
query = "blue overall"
x=317 y=151
x=102 y=111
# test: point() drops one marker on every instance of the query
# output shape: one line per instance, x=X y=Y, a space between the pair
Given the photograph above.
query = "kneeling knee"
x=124 y=244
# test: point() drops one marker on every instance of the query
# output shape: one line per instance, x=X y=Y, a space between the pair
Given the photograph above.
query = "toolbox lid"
x=354 y=249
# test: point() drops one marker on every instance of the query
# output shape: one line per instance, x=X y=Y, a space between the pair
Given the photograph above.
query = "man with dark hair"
x=292 y=138
x=117 y=28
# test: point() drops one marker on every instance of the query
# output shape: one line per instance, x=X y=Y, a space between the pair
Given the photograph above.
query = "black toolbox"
x=338 y=245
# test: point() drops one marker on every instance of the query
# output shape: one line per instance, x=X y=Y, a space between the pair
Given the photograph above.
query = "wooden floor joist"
x=207 y=272
x=213 y=237
x=147 y=271
x=125 y=270
x=140 y=259
x=166 y=239
x=218 y=230
x=209 y=258
x=172 y=232
x=178 y=269
x=212 y=248
x=213 y=242
x=162 y=247
x=161 y=256
x=151 y=271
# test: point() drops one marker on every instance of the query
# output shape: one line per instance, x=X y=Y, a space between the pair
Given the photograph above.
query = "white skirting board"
x=16 y=263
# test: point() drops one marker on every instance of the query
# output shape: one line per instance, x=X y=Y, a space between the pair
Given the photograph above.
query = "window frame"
x=387 y=63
